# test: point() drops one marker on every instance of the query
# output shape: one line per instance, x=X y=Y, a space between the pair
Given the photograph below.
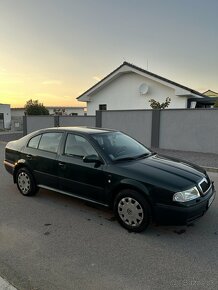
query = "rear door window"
x=50 y=142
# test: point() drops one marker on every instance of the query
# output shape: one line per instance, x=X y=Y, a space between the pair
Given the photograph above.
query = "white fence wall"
x=135 y=123
x=77 y=121
x=189 y=130
x=34 y=123
x=179 y=129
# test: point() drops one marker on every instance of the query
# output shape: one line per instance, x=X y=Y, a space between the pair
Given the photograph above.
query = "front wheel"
x=132 y=210
x=25 y=182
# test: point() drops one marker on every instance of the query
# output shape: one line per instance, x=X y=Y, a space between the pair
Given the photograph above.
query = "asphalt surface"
x=52 y=241
x=9 y=136
x=202 y=159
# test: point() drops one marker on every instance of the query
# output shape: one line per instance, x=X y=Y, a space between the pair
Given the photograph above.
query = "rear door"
x=86 y=180
x=41 y=155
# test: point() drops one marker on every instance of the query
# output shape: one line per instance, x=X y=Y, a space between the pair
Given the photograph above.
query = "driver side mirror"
x=92 y=159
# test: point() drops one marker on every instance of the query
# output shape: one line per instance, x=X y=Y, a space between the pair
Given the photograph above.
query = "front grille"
x=204 y=185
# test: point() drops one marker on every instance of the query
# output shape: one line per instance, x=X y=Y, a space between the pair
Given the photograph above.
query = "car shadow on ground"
x=104 y=216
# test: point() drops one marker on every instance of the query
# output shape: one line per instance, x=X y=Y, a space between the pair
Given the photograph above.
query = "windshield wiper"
x=143 y=155
x=146 y=155
x=125 y=158
x=128 y=158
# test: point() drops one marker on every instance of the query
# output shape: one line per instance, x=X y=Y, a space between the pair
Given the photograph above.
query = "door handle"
x=61 y=163
x=29 y=156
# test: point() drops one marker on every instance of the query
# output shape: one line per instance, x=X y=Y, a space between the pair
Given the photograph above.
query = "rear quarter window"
x=34 y=142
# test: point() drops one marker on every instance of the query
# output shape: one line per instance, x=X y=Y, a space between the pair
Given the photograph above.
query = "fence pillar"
x=24 y=125
x=155 y=128
x=98 y=119
x=56 y=121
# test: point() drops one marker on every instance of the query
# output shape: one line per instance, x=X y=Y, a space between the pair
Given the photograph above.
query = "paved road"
x=202 y=159
x=55 y=242
x=9 y=136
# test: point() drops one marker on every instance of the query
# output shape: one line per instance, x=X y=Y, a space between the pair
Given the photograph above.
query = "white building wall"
x=68 y=110
x=79 y=111
x=123 y=94
x=6 y=110
x=18 y=112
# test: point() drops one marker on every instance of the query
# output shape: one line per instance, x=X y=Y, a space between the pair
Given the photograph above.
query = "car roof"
x=81 y=129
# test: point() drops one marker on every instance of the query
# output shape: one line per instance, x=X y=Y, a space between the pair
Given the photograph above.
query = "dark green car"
x=110 y=168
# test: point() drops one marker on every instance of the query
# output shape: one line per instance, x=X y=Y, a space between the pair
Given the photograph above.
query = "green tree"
x=216 y=104
x=33 y=107
x=157 y=105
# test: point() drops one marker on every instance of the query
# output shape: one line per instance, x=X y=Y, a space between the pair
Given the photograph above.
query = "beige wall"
x=5 y=109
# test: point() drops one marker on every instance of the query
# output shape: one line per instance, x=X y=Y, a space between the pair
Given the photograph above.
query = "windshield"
x=118 y=146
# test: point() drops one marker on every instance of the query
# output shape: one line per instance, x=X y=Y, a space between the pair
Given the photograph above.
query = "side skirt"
x=70 y=194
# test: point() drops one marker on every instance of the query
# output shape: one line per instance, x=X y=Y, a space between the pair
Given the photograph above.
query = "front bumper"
x=181 y=214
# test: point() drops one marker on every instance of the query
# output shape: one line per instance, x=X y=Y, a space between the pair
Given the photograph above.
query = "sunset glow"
x=55 y=50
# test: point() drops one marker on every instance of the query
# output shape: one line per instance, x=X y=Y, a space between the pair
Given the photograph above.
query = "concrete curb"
x=210 y=169
x=10 y=132
x=5 y=285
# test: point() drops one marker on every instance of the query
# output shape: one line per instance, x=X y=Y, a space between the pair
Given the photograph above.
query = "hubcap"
x=23 y=182
x=130 y=211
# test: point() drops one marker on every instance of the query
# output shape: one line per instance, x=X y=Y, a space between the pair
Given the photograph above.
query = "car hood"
x=159 y=170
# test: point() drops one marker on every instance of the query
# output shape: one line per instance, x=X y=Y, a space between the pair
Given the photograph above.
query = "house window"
x=103 y=107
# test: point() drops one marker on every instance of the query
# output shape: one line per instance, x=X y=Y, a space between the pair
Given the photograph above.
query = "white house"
x=130 y=87
x=5 y=116
x=211 y=94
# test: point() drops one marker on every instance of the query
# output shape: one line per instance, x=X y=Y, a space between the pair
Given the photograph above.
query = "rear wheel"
x=132 y=210
x=25 y=182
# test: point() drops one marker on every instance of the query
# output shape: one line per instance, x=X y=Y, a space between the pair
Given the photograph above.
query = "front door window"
x=78 y=146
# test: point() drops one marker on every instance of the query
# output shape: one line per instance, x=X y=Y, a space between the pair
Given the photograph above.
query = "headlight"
x=186 y=195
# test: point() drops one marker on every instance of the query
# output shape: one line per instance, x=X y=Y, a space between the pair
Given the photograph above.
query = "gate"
x=2 y=121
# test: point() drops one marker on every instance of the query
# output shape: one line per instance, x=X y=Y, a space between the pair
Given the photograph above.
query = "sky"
x=54 y=50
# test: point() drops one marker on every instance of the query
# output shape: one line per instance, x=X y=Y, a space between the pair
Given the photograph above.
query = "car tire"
x=132 y=210
x=25 y=182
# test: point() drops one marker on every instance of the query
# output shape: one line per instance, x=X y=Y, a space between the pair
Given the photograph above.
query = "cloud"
x=11 y=82
x=52 y=82
x=96 y=78
x=2 y=70
x=45 y=95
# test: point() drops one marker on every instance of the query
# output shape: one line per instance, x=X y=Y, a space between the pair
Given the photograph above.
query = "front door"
x=86 y=180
